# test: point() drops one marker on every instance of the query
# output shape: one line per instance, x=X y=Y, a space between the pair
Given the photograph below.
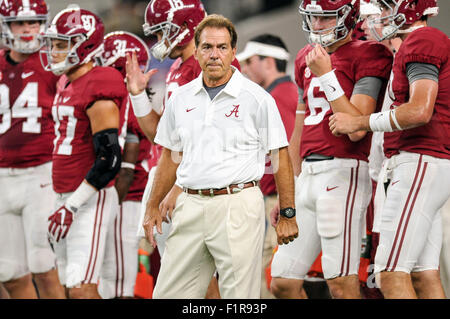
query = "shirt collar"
x=232 y=88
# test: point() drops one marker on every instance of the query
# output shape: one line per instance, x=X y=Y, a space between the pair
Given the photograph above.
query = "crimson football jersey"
x=137 y=187
x=26 y=125
x=352 y=61
x=285 y=93
x=425 y=45
x=74 y=154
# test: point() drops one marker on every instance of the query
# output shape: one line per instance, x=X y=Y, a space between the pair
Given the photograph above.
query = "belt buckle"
x=237 y=189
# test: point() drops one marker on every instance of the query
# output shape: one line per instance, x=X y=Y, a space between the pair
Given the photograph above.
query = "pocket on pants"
x=247 y=208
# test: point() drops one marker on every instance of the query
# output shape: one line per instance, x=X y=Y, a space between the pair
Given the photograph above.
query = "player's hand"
x=137 y=80
x=275 y=215
x=60 y=223
x=152 y=218
x=343 y=123
x=287 y=230
x=168 y=204
x=318 y=61
x=123 y=182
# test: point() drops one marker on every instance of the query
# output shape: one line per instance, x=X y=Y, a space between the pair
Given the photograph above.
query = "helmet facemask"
x=401 y=15
x=72 y=59
x=328 y=36
x=24 y=43
x=388 y=24
x=170 y=38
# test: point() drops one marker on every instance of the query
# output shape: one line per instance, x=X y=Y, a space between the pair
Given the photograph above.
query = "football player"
x=334 y=74
x=87 y=112
x=120 y=266
x=26 y=135
x=416 y=143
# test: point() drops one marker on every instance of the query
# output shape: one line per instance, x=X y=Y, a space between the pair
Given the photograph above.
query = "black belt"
x=317 y=157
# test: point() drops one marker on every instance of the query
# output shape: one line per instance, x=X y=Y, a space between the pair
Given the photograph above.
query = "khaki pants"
x=223 y=232
x=445 y=251
x=270 y=242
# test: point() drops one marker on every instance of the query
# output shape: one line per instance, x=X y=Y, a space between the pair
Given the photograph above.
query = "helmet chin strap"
x=388 y=31
x=323 y=40
x=58 y=68
x=409 y=30
x=160 y=51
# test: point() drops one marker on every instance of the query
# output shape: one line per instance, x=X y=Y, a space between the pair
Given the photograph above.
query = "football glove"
x=60 y=223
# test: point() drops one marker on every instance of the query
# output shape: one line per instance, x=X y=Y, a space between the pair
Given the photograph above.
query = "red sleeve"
x=236 y=64
x=286 y=97
x=105 y=84
x=133 y=125
x=300 y=65
x=376 y=60
x=426 y=45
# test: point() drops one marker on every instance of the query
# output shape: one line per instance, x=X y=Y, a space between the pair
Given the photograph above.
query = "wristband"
x=141 y=104
x=380 y=122
x=331 y=86
x=394 y=119
x=128 y=165
x=80 y=196
x=300 y=112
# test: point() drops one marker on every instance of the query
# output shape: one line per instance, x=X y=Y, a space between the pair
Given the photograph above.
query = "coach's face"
x=215 y=54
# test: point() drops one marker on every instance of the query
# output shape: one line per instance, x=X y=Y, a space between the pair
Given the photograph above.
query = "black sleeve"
x=108 y=160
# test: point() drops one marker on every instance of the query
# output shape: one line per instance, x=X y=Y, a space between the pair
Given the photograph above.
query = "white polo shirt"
x=224 y=141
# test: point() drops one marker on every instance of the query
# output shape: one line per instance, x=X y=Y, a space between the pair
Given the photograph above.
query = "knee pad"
x=330 y=217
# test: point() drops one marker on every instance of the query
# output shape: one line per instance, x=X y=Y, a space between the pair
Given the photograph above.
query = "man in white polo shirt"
x=216 y=131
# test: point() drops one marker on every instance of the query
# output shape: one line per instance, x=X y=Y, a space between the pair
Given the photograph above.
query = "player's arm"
x=294 y=143
x=148 y=124
x=359 y=104
x=165 y=177
x=137 y=81
x=126 y=172
x=416 y=112
x=319 y=61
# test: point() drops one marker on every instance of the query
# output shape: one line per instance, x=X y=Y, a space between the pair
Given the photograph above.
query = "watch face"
x=288 y=212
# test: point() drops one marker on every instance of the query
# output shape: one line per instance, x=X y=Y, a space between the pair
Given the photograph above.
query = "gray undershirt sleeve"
x=300 y=96
x=419 y=71
x=131 y=138
x=368 y=85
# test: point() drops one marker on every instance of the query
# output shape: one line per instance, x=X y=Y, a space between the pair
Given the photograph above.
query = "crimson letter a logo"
x=235 y=110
